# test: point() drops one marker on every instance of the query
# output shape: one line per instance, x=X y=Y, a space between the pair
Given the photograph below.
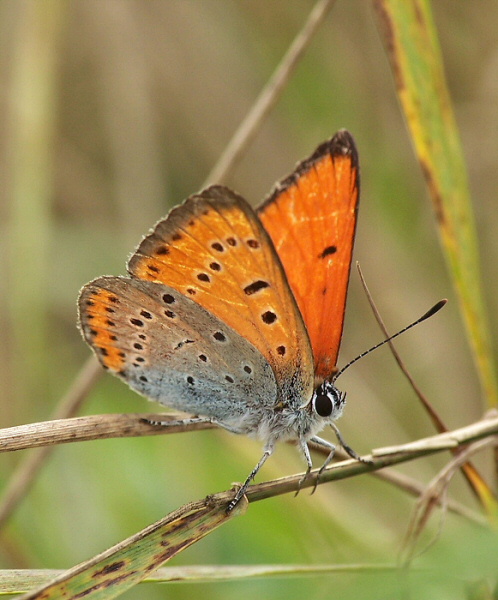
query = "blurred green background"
x=111 y=113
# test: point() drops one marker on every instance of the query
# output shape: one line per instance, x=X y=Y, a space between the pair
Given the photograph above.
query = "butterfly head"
x=327 y=401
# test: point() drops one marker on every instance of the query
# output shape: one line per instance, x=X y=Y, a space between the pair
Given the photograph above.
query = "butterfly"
x=235 y=315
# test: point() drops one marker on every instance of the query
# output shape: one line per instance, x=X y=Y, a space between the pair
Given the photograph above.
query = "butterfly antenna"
x=432 y=311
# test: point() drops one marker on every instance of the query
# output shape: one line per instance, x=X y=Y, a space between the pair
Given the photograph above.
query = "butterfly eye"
x=328 y=401
x=323 y=405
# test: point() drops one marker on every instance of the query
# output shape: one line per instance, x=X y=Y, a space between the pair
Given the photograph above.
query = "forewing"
x=213 y=250
x=311 y=218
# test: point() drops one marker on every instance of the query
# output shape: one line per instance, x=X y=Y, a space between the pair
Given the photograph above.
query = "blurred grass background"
x=111 y=113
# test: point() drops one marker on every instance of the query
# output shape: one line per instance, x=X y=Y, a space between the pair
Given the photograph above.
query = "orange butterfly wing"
x=311 y=218
x=213 y=250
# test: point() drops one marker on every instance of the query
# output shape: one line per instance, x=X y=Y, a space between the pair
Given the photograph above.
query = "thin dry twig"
x=436 y=419
x=412 y=486
x=95 y=427
x=13 y=581
x=78 y=429
x=380 y=458
x=436 y=494
x=269 y=95
x=469 y=471
x=130 y=425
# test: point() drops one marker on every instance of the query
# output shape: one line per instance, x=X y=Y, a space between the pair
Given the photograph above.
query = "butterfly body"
x=236 y=315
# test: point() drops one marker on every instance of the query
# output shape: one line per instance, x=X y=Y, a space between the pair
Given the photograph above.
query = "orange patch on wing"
x=97 y=323
x=311 y=218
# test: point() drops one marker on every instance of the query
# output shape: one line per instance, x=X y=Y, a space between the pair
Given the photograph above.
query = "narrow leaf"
x=411 y=41
x=412 y=46
x=111 y=573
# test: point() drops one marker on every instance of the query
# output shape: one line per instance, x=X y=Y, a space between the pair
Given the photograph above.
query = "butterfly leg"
x=331 y=448
x=306 y=453
x=187 y=421
x=348 y=448
x=268 y=451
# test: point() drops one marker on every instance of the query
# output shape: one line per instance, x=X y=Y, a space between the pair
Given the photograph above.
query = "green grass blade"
x=411 y=41
x=16 y=581
x=116 y=570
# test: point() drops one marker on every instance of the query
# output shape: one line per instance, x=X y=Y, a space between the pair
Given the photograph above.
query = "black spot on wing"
x=269 y=317
x=256 y=286
x=328 y=251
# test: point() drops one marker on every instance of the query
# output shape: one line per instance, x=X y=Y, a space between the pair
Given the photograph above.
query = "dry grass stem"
x=413 y=487
x=269 y=95
x=132 y=425
x=436 y=419
x=96 y=427
x=436 y=494
x=380 y=458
